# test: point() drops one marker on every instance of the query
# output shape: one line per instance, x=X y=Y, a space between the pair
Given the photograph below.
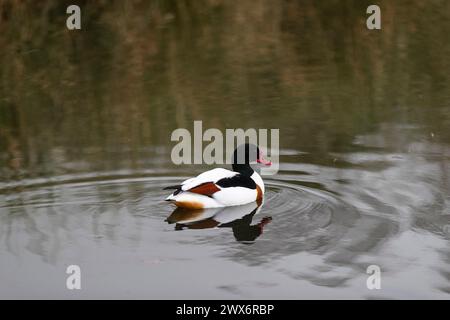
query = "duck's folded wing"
x=206 y=189
x=236 y=190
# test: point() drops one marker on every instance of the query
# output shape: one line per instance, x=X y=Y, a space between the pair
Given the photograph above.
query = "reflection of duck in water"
x=239 y=218
x=220 y=187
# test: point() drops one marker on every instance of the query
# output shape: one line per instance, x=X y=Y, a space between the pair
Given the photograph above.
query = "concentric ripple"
x=298 y=212
x=315 y=233
x=304 y=219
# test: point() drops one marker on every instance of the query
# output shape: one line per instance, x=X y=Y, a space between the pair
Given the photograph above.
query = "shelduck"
x=221 y=187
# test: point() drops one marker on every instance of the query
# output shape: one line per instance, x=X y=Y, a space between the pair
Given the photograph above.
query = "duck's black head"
x=246 y=154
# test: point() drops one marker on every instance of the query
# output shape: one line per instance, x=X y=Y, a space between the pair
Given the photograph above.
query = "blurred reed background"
x=102 y=97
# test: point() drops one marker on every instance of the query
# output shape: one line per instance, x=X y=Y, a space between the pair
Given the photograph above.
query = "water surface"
x=85 y=124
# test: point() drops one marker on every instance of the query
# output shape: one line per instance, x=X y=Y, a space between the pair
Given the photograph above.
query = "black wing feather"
x=238 y=180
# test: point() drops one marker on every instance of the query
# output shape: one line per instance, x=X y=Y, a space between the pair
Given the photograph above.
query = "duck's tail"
x=175 y=187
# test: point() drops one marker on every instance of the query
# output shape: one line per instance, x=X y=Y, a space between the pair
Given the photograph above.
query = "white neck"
x=258 y=180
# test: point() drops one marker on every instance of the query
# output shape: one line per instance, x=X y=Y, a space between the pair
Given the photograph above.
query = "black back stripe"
x=238 y=180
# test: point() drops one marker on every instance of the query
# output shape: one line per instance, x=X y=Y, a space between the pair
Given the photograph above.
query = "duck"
x=221 y=187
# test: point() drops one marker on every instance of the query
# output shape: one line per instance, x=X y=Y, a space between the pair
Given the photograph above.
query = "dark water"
x=85 y=124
